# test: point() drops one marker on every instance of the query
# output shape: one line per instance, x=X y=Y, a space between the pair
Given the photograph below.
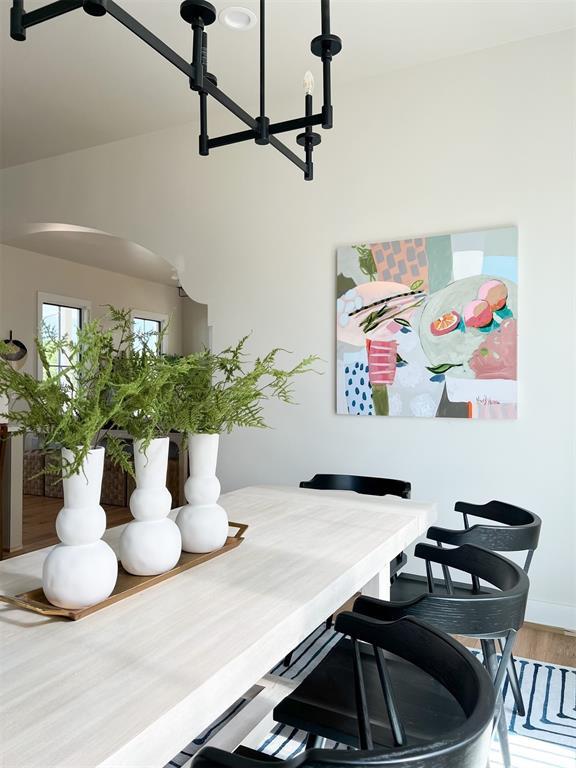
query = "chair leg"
x=491 y=664
x=514 y=685
x=503 y=736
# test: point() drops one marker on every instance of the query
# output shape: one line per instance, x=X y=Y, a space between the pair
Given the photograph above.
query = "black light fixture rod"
x=262 y=58
x=325 y=10
x=308 y=146
x=51 y=11
x=327 y=111
x=326 y=46
x=17 y=28
x=203 y=145
x=283 y=127
x=230 y=105
x=147 y=37
x=198 y=32
x=232 y=138
x=283 y=149
x=296 y=124
x=20 y=20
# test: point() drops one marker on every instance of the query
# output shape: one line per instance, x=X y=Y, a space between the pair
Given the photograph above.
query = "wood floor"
x=39 y=516
x=535 y=641
x=548 y=644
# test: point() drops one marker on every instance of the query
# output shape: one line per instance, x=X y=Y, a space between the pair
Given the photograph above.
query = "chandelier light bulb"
x=309 y=83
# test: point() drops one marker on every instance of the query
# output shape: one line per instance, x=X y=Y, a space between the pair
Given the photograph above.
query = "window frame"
x=58 y=300
x=158 y=317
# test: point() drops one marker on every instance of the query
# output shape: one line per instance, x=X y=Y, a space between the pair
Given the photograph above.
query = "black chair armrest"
x=480 y=562
x=449 y=535
x=500 y=512
x=380 y=610
x=476 y=510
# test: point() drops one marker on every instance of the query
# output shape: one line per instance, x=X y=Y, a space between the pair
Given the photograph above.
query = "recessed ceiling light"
x=238 y=18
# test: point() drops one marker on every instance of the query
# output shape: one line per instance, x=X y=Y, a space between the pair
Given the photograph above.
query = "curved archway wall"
x=470 y=142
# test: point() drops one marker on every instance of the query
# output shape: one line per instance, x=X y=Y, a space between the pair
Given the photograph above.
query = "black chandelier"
x=200 y=14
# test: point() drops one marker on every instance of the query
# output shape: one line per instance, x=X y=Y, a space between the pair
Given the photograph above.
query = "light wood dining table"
x=133 y=684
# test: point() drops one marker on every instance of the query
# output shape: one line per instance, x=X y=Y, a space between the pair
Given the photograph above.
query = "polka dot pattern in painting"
x=357 y=390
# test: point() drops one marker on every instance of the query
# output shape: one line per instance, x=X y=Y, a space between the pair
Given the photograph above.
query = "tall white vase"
x=82 y=570
x=151 y=543
x=203 y=523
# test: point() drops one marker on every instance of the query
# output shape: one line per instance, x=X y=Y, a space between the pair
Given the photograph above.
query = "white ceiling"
x=80 y=81
x=94 y=249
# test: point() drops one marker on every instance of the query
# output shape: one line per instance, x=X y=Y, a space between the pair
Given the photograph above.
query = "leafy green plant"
x=115 y=377
x=68 y=407
x=221 y=391
x=145 y=384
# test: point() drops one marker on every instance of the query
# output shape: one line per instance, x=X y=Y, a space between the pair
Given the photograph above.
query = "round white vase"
x=203 y=523
x=83 y=569
x=151 y=543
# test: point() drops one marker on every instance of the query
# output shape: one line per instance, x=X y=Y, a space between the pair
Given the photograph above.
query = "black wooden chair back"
x=433 y=652
x=518 y=529
x=486 y=614
x=373 y=486
x=490 y=615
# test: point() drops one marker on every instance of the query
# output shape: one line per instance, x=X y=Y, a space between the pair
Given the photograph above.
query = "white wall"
x=481 y=140
x=23 y=274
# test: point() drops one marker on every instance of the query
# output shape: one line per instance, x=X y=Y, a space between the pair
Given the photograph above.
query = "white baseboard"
x=552 y=614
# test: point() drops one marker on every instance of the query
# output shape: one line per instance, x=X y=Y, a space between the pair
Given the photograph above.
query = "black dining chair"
x=372 y=486
x=517 y=530
x=483 y=615
x=405 y=694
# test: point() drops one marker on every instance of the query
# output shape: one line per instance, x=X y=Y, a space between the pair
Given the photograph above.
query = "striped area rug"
x=545 y=738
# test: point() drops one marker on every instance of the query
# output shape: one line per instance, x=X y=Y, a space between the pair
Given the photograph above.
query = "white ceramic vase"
x=203 y=523
x=151 y=543
x=82 y=570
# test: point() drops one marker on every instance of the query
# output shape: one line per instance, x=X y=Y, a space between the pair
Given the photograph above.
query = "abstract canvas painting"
x=427 y=326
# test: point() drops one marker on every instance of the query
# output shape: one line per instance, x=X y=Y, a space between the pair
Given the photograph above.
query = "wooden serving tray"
x=126 y=585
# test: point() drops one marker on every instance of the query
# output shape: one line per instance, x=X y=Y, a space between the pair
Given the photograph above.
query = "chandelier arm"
x=20 y=20
x=296 y=124
x=147 y=37
x=287 y=152
x=229 y=104
x=231 y=138
x=283 y=127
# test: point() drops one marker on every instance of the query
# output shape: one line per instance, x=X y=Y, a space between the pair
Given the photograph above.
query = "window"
x=60 y=321
x=62 y=317
x=147 y=328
